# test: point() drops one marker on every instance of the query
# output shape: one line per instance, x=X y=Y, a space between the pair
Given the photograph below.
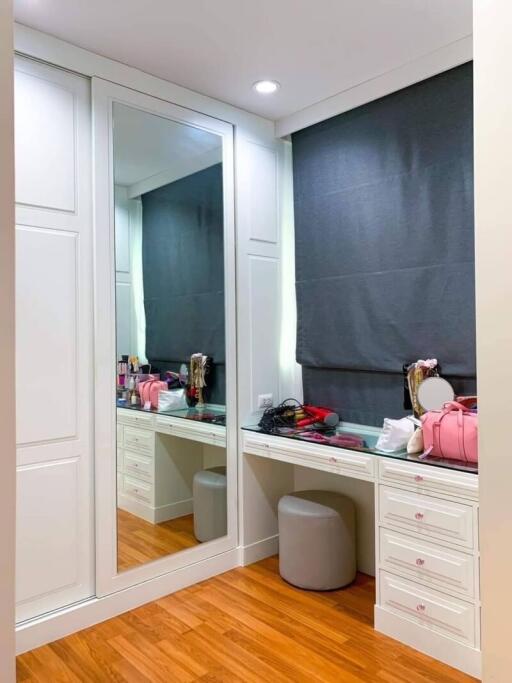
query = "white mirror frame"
x=108 y=580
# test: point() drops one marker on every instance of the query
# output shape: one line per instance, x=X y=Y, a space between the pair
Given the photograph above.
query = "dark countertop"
x=210 y=414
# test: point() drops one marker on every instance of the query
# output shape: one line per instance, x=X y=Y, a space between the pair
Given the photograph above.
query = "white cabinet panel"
x=261 y=169
x=48 y=529
x=46 y=334
x=45 y=142
x=124 y=322
x=54 y=337
x=264 y=282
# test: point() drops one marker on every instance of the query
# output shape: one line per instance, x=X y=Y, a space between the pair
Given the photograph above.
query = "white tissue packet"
x=395 y=435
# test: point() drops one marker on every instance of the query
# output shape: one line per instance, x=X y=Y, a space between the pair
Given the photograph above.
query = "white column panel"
x=54 y=325
x=45 y=142
x=46 y=334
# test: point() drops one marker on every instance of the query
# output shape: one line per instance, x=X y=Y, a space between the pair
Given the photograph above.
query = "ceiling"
x=314 y=48
x=153 y=151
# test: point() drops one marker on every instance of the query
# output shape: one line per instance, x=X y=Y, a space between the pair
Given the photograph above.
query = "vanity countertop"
x=370 y=436
x=210 y=414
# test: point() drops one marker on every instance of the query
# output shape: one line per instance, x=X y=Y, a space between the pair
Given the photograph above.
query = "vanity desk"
x=158 y=454
x=426 y=539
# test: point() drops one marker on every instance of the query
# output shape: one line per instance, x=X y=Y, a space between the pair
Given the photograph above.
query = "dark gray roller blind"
x=384 y=227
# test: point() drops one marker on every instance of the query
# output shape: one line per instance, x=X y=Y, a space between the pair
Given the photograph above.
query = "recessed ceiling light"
x=266 y=87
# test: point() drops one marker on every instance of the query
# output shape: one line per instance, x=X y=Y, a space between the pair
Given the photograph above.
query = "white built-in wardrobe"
x=54 y=339
x=67 y=278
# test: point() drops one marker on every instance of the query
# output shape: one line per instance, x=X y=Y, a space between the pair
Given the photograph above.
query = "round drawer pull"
x=420 y=562
x=419 y=516
x=418 y=478
x=333 y=459
x=421 y=607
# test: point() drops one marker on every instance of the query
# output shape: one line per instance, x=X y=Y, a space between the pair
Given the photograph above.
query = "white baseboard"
x=61 y=623
x=174 y=510
x=259 y=550
x=462 y=657
x=155 y=515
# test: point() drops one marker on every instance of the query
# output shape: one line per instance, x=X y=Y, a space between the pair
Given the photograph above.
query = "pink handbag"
x=150 y=390
x=451 y=433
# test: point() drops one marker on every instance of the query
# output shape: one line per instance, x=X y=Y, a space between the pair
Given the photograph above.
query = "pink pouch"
x=149 y=391
x=451 y=433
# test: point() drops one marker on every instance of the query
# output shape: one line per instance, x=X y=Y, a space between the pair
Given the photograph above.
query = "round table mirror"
x=434 y=392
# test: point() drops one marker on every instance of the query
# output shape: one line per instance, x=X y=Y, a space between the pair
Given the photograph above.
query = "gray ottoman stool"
x=317 y=534
x=210 y=504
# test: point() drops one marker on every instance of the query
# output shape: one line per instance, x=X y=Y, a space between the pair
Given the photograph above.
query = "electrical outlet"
x=265 y=401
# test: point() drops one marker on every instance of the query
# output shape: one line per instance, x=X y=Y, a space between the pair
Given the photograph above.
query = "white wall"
x=7 y=419
x=493 y=198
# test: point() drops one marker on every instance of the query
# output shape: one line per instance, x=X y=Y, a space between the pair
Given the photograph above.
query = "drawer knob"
x=418 y=478
x=332 y=459
x=421 y=607
x=419 y=515
x=420 y=562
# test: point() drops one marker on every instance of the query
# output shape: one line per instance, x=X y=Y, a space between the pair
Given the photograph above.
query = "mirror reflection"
x=170 y=336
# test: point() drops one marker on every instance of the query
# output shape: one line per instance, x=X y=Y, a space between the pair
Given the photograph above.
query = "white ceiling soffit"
x=316 y=49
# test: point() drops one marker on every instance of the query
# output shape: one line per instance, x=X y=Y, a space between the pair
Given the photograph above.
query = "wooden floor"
x=244 y=626
x=139 y=541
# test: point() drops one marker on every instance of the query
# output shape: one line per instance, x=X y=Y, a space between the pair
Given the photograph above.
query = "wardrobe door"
x=54 y=325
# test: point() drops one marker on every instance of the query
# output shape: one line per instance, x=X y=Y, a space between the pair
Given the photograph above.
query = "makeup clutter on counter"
x=442 y=426
x=139 y=387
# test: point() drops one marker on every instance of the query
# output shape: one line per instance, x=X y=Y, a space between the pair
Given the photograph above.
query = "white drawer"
x=327 y=458
x=425 y=478
x=139 y=439
x=138 y=465
x=134 y=418
x=120 y=459
x=192 y=429
x=138 y=489
x=432 y=517
x=445 y=615
x=120 y=434
x=429 y=564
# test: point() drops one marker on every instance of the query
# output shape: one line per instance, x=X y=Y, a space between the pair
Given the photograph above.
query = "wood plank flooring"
x=246 y=625
x=139 y=541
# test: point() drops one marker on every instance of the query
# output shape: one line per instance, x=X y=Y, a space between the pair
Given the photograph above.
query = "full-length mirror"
x=170 y=336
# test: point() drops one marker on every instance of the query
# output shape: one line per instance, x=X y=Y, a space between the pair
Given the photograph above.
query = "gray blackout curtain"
x=384 y=225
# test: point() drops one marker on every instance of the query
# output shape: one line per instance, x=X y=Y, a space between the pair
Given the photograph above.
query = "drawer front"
x=427 y=563
x=327 y=458
x=427 y=516
x=135 y=418
x=426 y=478
x=138 y=465
x=190 y=429
x=138 y=439
x=445 y=615
x=120 y=434
x=138 y=489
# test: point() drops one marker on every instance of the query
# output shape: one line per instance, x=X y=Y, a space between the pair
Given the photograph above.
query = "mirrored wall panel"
x=170 y=336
